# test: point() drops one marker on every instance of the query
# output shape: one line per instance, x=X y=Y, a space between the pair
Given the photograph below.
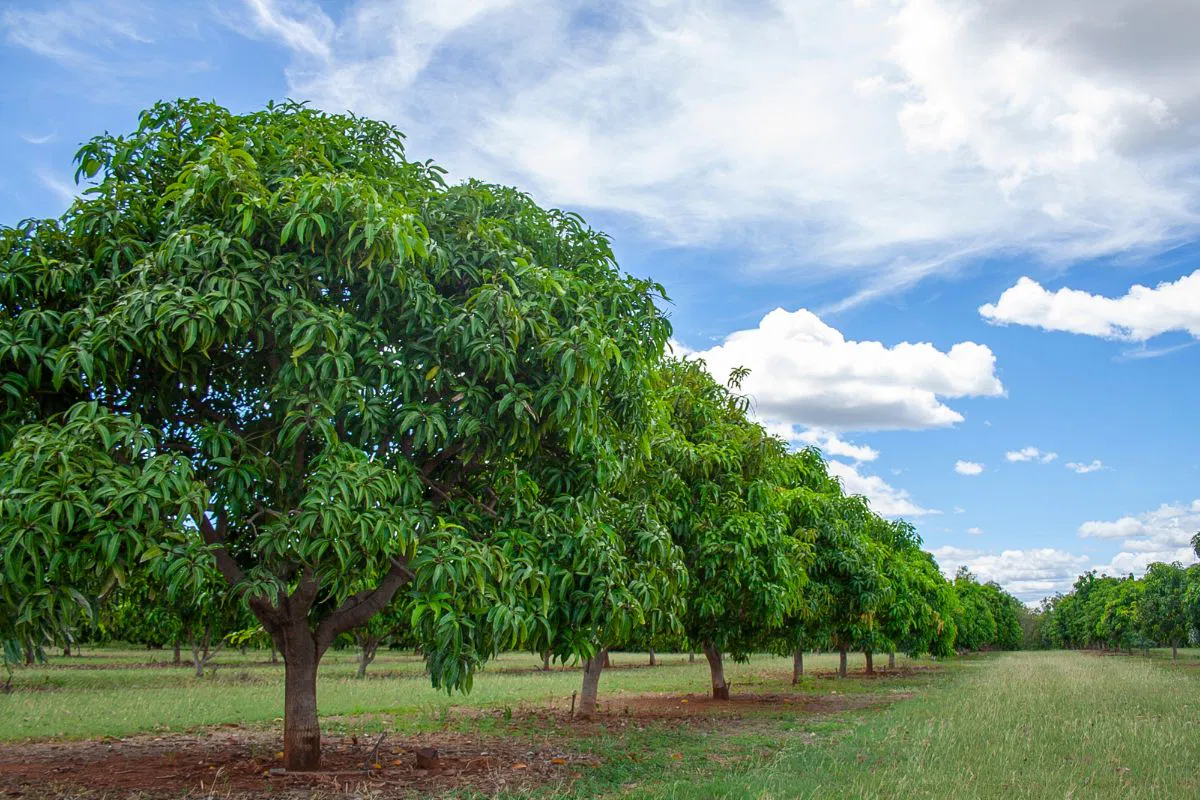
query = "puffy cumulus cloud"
x=1163 y=534
x=1028 y=575
x=885 y=499
x=1082 y=469
x=968 y=468
x=975 y=531
x=1030 y=454
x=805 y=372
x=1140 y=314
x=883 y=140
x=829 y=443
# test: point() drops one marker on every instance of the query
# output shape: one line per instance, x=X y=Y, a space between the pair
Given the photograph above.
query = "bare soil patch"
x=235 y=763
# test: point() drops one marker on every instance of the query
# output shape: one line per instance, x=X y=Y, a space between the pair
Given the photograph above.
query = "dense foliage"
x=271 y=377
x=1160 y=609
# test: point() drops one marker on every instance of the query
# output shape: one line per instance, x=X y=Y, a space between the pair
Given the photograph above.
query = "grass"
x=114 y=693
x=1015 y=725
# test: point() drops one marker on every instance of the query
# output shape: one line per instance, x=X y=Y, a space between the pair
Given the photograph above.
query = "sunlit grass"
x=63 y=700
x=1019 y=725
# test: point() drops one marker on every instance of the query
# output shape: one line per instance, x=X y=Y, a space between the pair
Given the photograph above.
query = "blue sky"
x=922 y=223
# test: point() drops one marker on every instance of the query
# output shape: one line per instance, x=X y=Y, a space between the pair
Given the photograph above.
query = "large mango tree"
x=273 y=343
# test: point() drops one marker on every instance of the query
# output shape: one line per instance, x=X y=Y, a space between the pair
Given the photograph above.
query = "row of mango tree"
x=268 y=365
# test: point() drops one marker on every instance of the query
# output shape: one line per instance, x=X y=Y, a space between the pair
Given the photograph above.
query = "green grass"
x=1017 y=725
x=109 y=696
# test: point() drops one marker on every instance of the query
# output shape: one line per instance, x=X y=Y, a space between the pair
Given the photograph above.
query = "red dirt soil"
x=229 y=762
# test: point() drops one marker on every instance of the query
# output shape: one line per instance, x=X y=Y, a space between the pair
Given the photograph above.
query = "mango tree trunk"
x=720 y=689
x=301 y=731
x=653 y=662
x=891 y=660
x=591 y=682
x=1174 y=651
x=691 y=658
x=797 y=666
x=870 y=662
x=366 y=656
x=546 y=661
x=841 y=662
x=177 y=659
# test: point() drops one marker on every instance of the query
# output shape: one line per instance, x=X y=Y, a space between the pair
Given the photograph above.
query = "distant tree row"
x=1160 y=609
x=269 y=373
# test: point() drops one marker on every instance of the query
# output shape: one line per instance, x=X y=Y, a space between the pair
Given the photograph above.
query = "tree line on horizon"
x=269 y=377
x=1122 y=613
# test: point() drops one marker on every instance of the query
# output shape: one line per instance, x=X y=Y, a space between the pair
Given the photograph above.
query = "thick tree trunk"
x=66 y=650
x=178 y=659
x=546 y=661
x=591 y=682
x=301 y=731
x=870 y=662
x=797 y=666
x=891 y=660
x=1174 y=651
x=720 y=689
x=653 y=662
x=842 y=662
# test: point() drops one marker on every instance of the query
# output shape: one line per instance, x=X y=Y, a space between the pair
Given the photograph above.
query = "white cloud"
x=1163 y=534
x=1140 y=314
x=1083 y=469
x=959 y=510
x=974 y=531
x=35 y=139
x=804 y=372
x=884 y=498
x=829 y=443
x=886 y=141
x=97 y=36
x=65 y=192
x=1027 y=574
x=968 y=468
x=1030 y=454
x=302 y=26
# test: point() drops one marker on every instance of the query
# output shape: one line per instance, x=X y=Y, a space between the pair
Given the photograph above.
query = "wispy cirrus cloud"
x=863 y=140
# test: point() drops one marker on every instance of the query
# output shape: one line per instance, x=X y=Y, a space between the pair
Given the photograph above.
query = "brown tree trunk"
x=870 y=662
x=301 y=731
x=66 y=650
x=365 y=657
x=891 y=660
x=274 y=653
x=797 y=666
x=178 y=659
x=591 y=682
x=653 y=662
x=691 y=658
x=841 y=662
x=546 y=661
x=1174 y=651
x=607 y=660
x=720 y=689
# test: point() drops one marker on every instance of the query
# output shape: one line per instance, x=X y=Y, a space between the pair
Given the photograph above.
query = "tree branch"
x=360 y=607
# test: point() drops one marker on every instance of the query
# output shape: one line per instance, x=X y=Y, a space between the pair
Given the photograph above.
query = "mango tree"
x=1163 y=607
x=272 y=343
x=745 y=568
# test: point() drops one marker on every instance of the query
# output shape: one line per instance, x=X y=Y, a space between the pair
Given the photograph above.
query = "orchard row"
x=267 y=368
